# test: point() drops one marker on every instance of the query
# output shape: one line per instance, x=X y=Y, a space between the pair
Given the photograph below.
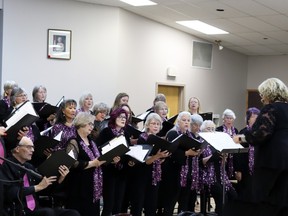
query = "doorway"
x=174 y=97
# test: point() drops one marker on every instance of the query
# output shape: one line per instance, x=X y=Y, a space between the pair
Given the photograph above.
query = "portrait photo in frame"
x=59 y=44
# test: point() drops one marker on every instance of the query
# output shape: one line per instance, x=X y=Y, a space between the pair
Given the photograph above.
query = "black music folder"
x=185 y=142
x=159 y=143
x=117 y=151
x=143 y=116
x=207 y=116
x=44 y=110
x=51 y=165
x=22 y=116
x=115 y=147
x=139 y=152
x=172 y=119
x=166 y=126
x=132 y=131
x=42 y=143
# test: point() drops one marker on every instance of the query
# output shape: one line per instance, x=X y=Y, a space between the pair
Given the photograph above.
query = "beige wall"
x=114 y=51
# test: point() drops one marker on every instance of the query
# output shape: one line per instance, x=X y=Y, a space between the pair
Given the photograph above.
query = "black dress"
x=243 y=163
x=79 y=183
x=269 y=135
x=144 y=186
x=170 y=185
x=114 y=177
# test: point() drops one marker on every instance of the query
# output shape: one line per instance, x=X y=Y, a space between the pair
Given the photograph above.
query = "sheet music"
x=42 y=133
x=137 y=152
x=58 y=136
x=60 y=101
x=114 y=143
x=143 y=115
x=220 y=140
x=71 y=154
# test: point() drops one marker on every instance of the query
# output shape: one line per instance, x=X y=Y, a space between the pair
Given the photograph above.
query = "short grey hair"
x=159 y=97
x=159 y=105
x=228 y=112
x=16 y=91
x=205 y=125
x=150 y=117
x=179 y=117
x=82 y=119
x=196 y=119
x=10 y=84
x=100 y=107
x=83 y=97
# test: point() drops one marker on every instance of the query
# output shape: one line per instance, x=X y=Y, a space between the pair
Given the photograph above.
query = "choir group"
x=92 y=187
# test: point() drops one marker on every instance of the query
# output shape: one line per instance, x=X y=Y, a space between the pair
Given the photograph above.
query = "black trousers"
x=114 y=186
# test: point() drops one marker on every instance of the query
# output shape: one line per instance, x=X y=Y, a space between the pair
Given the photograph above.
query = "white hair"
x=228 y=112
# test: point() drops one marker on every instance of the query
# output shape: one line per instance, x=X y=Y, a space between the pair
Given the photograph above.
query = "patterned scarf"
x=116 y=132
x=194 y=172
x=250 y=156
x=7 y=101
x=208 y=175
x=156 y=169
x=93 y=153
x=231 y=133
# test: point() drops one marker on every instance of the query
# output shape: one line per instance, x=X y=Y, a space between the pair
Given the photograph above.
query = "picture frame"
x=59 y=44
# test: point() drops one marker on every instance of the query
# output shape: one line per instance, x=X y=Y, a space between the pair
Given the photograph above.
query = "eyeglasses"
x=122 y=117
x=210 y=129
x=91 y=124
x=29 y=147
x=155 y=123
x=22 y=95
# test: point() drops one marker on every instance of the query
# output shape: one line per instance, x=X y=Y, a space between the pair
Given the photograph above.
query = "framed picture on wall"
x=59 y=44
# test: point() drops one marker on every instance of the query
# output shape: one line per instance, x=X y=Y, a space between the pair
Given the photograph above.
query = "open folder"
x=222 y=142
x=185 y=142
x=44 y=110
x=44 y=142
x=51 y=165
x=132 y=131
x=161 y=144
x=139 y=152
x=24 y=115
x=115 y=147
x=166 y=126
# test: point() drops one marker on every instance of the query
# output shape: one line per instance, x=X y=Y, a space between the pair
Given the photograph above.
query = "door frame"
x=181 y=102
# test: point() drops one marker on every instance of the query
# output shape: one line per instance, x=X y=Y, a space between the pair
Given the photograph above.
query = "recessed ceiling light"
x=202 y=27
x=139 y=2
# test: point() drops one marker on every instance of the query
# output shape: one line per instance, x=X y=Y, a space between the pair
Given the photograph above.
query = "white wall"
x=113 y=51
x=264 y=67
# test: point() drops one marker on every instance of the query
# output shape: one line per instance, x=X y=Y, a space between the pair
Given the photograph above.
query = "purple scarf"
x=93 y=153
x=250 y=156
x=208 y=175
x=7 y=101
x=156 y=169
x=194 y=172
x=231 y=133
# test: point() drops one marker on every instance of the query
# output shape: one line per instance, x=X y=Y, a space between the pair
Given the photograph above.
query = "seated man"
x=25 y=197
